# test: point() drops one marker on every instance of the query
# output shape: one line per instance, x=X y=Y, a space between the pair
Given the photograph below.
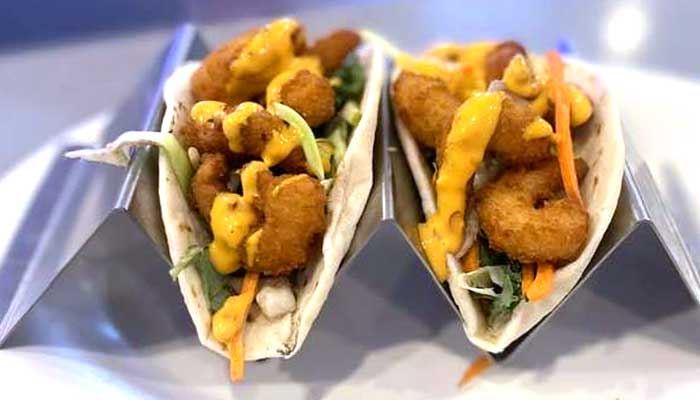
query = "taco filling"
x=255 y=140
x=505 y=215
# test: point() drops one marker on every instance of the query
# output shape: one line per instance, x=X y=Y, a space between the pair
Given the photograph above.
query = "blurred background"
x=63 y=61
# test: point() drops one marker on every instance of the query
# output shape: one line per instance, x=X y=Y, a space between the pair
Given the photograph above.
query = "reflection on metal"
x=100 y=279
x=136 y=200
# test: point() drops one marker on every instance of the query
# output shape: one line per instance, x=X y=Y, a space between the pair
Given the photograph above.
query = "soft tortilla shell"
x=346 y=201
x=600 y=143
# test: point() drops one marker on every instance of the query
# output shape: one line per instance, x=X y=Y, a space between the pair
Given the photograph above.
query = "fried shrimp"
x=525 y=215
x=498 y=59
x=425 y=105
x=508 y=144
x=209 y=80
x=207 y=137
x=257 y=130
x=333 y=48
x=209 y=180
x=294 y=217
x=310 y=95
x=295 y=163
x=237 y=72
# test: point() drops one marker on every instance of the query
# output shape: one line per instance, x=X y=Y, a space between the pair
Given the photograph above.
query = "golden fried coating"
x=295 y=163
x=425 y=105
x=310 y=95
x=333 y=48
x=208 y=181
x=524 y=215
x=209 y=80
x=507 y=143
x=212 y=80
x=257 y=130
x=498 y=59
x=207 y=138
x=294 y=217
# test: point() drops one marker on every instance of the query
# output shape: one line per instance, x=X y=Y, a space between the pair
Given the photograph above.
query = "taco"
x=265 y=167
x=518 y=160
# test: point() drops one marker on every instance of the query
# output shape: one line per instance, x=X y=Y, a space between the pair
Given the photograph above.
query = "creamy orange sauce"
x=232 y=219
x=207 y=111
x=581 y=107
x=519 y=79
x=537 y=129
x=267 y=54
x=233 y=121
x=463 y=77
x=471 y=130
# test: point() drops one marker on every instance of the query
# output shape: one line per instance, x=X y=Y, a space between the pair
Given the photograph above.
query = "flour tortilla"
x=600 y=143
x=284 y=336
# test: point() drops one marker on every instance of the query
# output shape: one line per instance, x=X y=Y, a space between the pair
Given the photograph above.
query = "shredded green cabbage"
x=186 y=260
x=306 y=137
x=179 y=161
x=337 y=134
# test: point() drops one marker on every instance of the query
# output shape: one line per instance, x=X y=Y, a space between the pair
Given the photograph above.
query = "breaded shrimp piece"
x=216 y=80
x=498 y=59
x=333 y=48
x=425 y=105
x=525 y=215
x=295 y=163
x=310 y=95
x=507 y=143
x=257 y=130
x=209 y=80
x=294 y=218
x=207 y=137
x=209 y=180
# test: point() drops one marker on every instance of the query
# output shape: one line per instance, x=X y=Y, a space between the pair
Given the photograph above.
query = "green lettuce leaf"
x=349 y=82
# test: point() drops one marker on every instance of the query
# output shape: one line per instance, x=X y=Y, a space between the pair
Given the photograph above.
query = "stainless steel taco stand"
x=89 y=302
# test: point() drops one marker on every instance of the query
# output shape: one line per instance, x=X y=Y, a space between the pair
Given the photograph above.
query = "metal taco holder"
x=128 y=246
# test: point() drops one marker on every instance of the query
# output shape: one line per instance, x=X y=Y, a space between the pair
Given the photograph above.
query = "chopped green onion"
x=306 y=137
x=351 y=113
x=187 y=259
x=179 y=161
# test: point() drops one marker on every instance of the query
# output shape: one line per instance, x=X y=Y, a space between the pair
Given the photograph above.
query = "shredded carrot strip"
x=236 y=352
x=470 y=262
x=543 y=284
x=528 y=277
x=236 y=347
x=476 y=368
x=562 y=116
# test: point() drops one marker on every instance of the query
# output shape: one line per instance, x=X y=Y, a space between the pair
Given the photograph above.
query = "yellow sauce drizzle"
x=540 y=104
x=472 y=128
x=581 y=107
x=233 y=121
x=267 y=54
x=279 y=146
x=520 y=80
x=232 y=217
x=537 y=129
x=207 y=111
x=251 y=246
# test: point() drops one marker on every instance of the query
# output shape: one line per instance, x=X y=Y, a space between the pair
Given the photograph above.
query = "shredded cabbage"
x=306 y=137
